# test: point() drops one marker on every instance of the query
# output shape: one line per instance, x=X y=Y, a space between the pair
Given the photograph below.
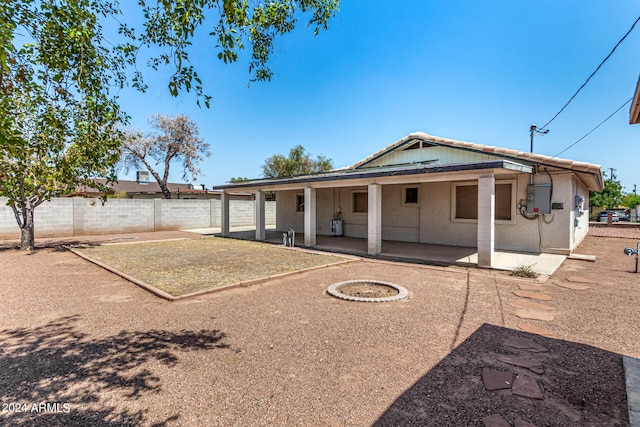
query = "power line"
x=592 y=74
x=599 y=124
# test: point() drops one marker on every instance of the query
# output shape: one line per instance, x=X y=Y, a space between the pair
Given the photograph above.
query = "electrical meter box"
x=539 y=199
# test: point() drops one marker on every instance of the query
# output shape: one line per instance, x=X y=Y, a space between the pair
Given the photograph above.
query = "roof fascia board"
x=418 y=174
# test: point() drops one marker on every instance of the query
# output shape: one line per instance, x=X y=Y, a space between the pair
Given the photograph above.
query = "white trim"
x=514 y=194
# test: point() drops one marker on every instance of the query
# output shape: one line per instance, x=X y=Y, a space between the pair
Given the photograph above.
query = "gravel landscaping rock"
x=89 y=348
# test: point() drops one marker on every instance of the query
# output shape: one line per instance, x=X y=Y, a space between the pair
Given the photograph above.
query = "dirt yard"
x=81 y=346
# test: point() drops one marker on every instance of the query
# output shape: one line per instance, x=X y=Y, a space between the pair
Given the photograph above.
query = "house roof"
x=345 y=174
x=503 y=159
x=531 y=158
x=634 y=111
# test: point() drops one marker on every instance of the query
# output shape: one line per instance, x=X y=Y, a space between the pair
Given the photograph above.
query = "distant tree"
x=299 y=162
x=238 y=179
x=177 y=141
x=610 y=197
x=631 y=200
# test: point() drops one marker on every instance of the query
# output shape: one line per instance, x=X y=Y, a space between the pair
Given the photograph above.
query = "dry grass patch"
x=181 y=267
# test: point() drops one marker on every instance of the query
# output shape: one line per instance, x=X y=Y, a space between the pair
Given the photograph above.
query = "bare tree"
x=176 y=141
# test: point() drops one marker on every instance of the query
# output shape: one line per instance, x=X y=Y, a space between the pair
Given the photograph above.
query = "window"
x=299 y=202
x=360 y=202
x=411 y=195
x=503 y=202
x=465 y=201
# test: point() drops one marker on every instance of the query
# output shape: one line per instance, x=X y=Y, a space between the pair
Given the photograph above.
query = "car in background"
x=623 y=216
x=603 y=216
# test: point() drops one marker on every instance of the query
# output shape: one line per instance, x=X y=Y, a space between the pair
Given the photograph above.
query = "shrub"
x=523 y=271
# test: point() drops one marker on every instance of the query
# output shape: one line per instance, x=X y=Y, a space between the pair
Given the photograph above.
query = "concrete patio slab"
x=542 y=263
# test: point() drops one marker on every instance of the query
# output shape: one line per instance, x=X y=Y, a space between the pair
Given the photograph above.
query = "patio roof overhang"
x=382 y=175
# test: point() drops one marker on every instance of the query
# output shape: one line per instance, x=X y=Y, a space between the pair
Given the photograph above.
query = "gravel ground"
x=285 y=353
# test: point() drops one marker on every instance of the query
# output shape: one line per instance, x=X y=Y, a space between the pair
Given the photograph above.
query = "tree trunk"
x=27 y=237
x=165 y=190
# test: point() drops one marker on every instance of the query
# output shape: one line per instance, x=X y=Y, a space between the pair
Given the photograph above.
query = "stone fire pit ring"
x=334 y=290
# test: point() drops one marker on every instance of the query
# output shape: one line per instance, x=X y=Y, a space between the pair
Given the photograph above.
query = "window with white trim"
x=464 y=201
x=360 y=202
x=299 y=202
x=410 y=195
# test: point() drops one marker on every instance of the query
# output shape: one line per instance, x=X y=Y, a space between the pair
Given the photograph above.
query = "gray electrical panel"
x=539 y=199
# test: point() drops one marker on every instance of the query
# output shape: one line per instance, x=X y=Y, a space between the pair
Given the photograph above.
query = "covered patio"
x=431 y=199
x=422 y=253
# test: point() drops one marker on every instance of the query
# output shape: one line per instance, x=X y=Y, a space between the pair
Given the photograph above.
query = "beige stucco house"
x=433 y=190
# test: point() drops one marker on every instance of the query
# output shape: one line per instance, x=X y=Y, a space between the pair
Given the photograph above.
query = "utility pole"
x=611 y=176
x=534 y=130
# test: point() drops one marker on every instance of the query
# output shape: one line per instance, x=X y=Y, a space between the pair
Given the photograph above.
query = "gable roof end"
x=486 y=149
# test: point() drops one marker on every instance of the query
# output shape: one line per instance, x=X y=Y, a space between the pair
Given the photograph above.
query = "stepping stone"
x=496 y=380
x=522 y=423
x=582 y=257
x=542 y=278
x=572 y=286
x=530 y=305
x=533 y=329
x=533 y=315
x=527 y=386
x=495 y=420
x=581 y=279
x=530 y=364
x=524 y=344
x=527 y=287
x=532 y=295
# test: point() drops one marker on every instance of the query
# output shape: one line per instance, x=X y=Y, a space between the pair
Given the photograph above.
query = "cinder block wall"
x=90 y=216
x=64 y=217
x=54 y=218
x=175 y=214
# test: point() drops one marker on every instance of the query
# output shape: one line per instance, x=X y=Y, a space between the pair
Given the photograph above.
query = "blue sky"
x=474 y=71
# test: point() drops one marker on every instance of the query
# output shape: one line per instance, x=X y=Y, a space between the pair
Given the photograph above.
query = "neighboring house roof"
x=151 y=187
x=392 y=161
x=134 y=187
x=634 y=111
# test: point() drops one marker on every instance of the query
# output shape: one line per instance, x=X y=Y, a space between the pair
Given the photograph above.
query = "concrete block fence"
x=64 y=217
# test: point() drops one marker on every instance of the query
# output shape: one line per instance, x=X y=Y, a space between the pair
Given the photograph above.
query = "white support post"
x=309 y=216
x=374 y=238
x=224 y=218
x=260 y=223
x=486 y=220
